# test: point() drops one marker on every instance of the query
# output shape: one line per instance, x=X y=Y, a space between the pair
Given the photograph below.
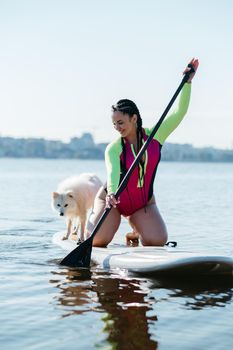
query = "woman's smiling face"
x=124 y=124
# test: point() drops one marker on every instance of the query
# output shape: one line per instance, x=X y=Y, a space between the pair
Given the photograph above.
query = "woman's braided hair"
x=126 y=106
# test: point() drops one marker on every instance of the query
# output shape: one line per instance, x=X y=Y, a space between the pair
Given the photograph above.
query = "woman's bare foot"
x=132 y=239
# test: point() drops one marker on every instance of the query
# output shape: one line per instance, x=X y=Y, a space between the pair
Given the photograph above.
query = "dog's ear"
x=70 y=194
x=55 y=194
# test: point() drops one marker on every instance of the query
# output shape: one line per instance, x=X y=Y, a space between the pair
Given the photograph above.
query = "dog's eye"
x=58 y=205
x=66 y=205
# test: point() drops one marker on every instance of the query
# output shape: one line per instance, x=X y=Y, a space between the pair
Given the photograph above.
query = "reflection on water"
x=74 y=290
x=198 y=293
x=122 y=301
x=127 y=320
x=128 y=304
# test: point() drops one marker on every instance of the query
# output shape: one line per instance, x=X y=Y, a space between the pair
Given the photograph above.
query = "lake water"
x=46 y=306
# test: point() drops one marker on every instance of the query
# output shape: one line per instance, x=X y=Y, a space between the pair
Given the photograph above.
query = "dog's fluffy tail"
x=96 y=180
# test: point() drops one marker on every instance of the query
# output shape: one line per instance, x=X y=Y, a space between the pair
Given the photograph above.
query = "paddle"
x=81 y=256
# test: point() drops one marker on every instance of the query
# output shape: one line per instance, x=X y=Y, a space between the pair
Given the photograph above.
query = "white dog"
x=73 y=199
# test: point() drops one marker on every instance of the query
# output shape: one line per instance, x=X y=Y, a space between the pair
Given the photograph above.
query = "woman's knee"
x=101 y=242
x=154 y=241
x=157 y=237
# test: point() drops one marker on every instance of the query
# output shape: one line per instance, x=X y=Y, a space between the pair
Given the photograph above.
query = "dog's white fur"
x=73 y=199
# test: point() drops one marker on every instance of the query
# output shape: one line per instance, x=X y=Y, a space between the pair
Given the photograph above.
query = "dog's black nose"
x=61 y=214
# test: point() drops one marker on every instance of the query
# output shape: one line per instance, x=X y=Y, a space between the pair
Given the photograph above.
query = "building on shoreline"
x=84 y=147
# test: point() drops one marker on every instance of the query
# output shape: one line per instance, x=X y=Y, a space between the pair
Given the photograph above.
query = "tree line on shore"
x=84 y=147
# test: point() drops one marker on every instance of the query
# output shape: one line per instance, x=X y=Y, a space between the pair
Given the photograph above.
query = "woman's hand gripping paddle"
x=81 y=256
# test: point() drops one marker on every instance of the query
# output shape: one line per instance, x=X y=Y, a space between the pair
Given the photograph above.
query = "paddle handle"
x=125 y=180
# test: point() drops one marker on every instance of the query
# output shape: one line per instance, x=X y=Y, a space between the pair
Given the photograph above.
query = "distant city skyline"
x=86 y=148
x=64 y=63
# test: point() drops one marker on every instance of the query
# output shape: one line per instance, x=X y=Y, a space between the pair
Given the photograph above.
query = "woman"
x=137 y=201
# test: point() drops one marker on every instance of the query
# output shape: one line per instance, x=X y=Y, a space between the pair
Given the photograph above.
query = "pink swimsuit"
x=136 y=195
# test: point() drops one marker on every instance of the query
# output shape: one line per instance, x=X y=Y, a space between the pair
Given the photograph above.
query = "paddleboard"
x=153 y=260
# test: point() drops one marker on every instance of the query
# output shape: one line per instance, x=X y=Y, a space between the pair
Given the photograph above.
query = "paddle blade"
x=80 y=256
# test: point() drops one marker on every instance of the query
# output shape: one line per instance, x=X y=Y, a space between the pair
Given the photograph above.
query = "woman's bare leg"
x=110 y=225
x=150 y=225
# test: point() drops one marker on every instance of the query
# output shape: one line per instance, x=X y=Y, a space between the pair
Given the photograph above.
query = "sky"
x=63 y=63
